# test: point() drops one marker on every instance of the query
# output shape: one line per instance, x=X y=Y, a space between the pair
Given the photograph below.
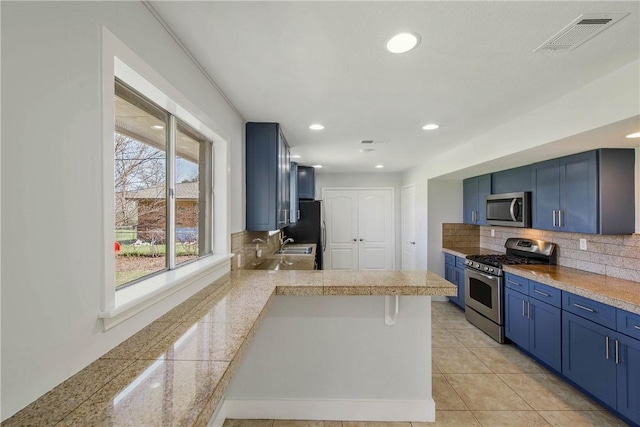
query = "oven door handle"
x=482 y=274
x=512 y=209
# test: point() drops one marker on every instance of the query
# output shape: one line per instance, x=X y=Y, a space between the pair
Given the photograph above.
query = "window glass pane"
x=192 y=190
x=140 y=186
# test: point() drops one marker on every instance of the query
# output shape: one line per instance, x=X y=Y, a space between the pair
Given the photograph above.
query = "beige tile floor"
x=478 y=382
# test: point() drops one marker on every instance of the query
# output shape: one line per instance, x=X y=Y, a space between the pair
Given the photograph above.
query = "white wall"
x=577 y=112
x=52 y=178
x=368 y=180
x=444 y=204
x=334 y=358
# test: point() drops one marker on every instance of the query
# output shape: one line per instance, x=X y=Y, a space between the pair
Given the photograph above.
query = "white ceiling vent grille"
x=374 y=141
x=579 y=31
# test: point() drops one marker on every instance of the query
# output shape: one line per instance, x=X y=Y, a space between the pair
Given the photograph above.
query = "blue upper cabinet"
x=512 y=180
x=268 y=177
x=306 y=182
x=589 y=192
x=475 y=191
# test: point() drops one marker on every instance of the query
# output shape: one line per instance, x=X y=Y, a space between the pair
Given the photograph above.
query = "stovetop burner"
x=519 y=252
x=500 y=260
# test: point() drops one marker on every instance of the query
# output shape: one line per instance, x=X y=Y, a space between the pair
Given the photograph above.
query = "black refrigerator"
x=310 y=227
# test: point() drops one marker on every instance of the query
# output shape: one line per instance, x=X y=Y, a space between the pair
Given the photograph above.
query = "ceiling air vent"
x=579 y=31
x=374 y=141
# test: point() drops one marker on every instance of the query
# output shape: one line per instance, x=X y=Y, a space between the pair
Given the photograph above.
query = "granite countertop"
x=620 y=293
x=463 y=251
x=176 y=369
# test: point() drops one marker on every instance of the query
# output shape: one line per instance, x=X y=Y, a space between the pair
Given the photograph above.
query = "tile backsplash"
x=243 y=246
x=611 y=255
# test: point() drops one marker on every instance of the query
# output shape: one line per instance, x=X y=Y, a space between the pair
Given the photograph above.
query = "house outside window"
x=162 y=188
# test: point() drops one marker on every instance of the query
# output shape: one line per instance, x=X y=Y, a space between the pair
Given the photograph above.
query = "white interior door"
x=408 y=200
x=342 y=229
x=360 y=229
x=375 y=230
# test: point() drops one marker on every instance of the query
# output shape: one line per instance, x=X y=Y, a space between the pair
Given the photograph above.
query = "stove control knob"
x=477 y=265
x=491 y=270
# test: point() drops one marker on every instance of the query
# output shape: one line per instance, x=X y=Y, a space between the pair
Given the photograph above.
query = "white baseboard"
x=343 y=410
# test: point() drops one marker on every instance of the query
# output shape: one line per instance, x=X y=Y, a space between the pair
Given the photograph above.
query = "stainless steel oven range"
x=484 y=281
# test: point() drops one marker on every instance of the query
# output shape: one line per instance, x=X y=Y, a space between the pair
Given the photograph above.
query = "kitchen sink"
x=296 y=250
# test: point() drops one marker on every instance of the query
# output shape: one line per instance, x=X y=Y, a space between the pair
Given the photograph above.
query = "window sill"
x=134 y=299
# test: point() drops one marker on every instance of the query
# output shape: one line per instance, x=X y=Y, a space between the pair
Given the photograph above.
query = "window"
x=162 y=187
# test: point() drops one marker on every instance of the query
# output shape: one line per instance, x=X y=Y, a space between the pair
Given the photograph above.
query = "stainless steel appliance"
x=509 y=209
x=310 y=228
x=484 y=281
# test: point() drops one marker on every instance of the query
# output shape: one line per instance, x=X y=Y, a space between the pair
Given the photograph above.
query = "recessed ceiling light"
x=316 y=127
x=157 y=127
x=295 y=156
x=634 y=135
x=403 y=42
x=430 y=126
x=367 y=150
x=379 y=166
x=317 y=166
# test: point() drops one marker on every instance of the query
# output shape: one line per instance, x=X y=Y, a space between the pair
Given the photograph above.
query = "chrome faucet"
x=285 y=241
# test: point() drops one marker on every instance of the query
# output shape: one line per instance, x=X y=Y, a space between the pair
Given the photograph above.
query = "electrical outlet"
x=583 y=244
x=493 y=232
x=239 y=256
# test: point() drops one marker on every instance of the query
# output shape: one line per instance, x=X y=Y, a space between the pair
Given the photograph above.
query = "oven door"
x=483 y=293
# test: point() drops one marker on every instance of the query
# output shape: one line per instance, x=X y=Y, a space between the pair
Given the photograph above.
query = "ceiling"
x=299 y=63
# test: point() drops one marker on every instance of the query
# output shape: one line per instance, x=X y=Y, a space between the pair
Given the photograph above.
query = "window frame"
x=119 y=305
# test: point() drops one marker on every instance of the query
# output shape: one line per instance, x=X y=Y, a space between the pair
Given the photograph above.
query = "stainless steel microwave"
x=509 y=209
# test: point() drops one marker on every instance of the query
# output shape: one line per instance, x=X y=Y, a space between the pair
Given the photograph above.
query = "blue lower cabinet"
x=451 y=275
x=516 y=322
x=628 y=359
x=534 y=326
x=454 y=274
x=460 y=284
x=588 y=357
x=545 y=333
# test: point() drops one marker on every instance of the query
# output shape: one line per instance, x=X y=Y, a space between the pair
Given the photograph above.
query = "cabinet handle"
x=585 y=308
x=559 y=218
x=413 y=243
x=617 y=352
x=514 y=283
x=523 y=315
x=541 y=293
x=637 y=326
x=355 y=240
x=298 y=213
x=362 y=240
x=554 y=218
x=528 y=310
x=606 y=350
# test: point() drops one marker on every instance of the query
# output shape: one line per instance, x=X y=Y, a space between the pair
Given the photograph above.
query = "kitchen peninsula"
x=179 y=369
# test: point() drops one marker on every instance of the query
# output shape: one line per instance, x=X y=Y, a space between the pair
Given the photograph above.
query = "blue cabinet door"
x=578 y=193
x=629 y=377
x=460 y=284
x=306 y=182
x=516 y=323
x=451 y=274
x=545 y=199
x=469 y=200
x=484 y=189
x=586 y=359
x=545 y=341
x=474 y=197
